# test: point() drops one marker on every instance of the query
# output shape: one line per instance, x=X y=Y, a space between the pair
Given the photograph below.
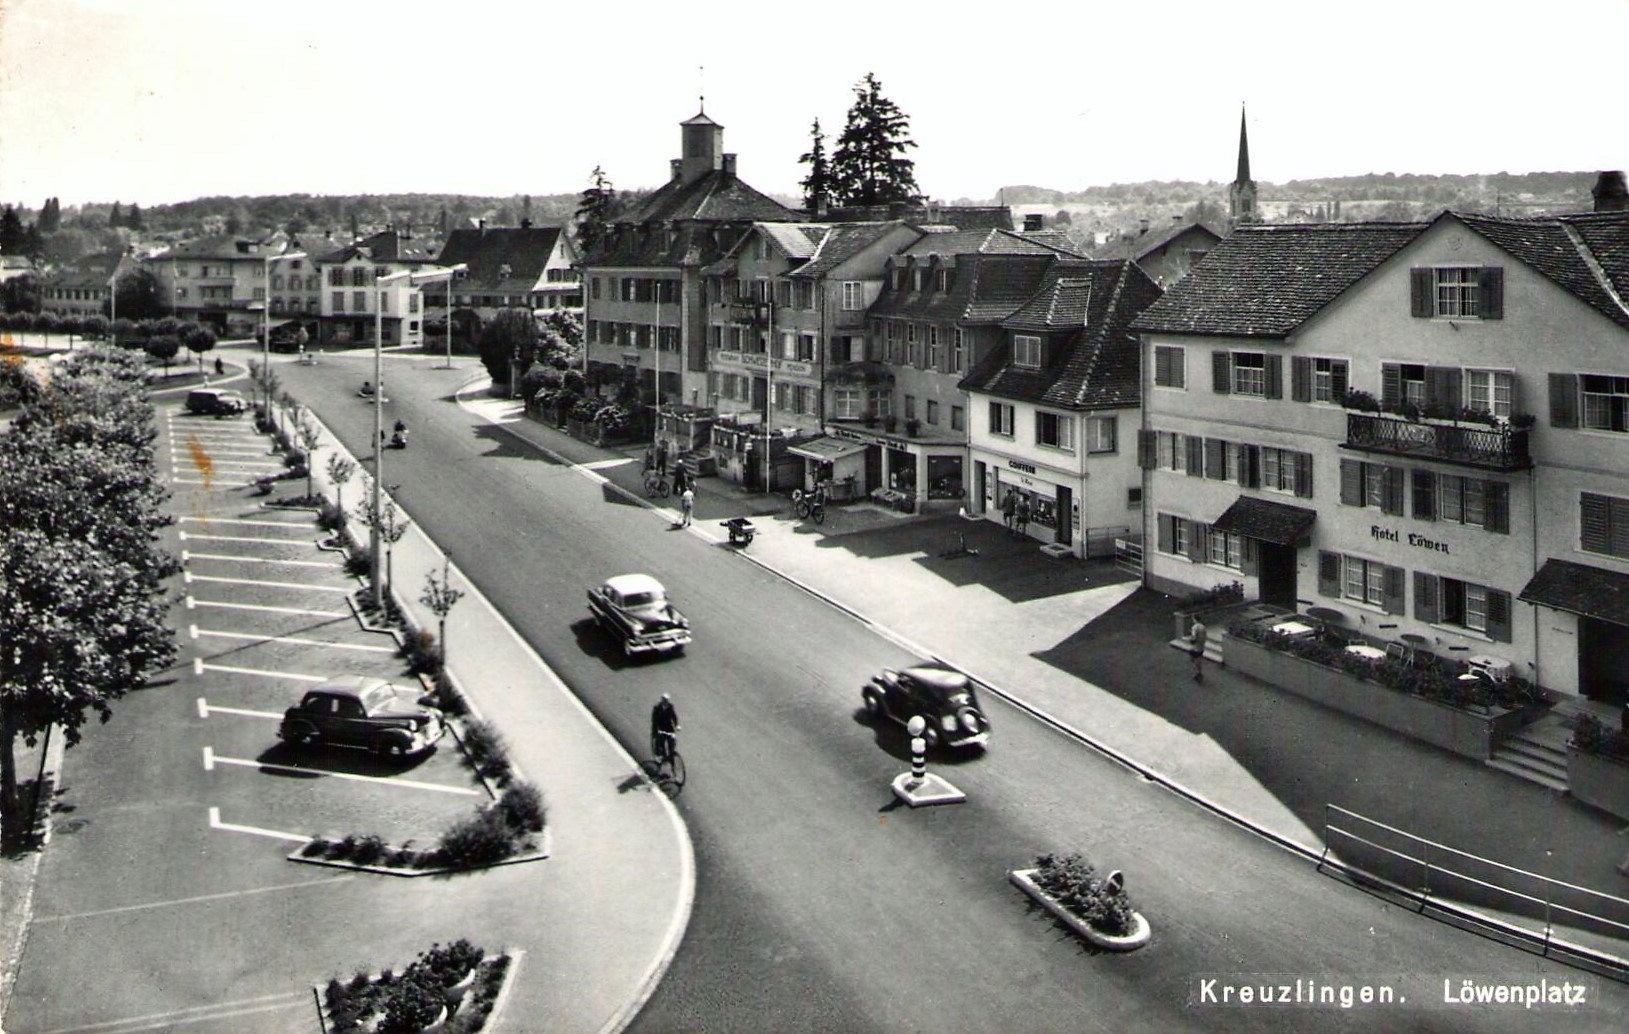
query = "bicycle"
x=656 y=484
x=808 y=505
x=664 y=748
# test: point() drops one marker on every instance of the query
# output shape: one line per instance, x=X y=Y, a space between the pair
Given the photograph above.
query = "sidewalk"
x=1080 y=642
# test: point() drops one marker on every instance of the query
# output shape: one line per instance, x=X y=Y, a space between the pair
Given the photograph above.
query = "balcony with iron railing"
x=1503 y=448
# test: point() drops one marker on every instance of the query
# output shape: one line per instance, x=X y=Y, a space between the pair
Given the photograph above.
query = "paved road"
x=820 y=906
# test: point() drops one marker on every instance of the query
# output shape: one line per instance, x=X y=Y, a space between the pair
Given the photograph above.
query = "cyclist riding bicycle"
x=664 y=726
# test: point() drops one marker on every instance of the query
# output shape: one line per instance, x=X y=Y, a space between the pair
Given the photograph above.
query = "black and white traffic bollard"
x=919 y=750
x=916 y=787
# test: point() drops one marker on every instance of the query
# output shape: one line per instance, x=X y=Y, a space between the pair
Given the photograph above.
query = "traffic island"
x=1097 y=909
x=452 y=989
x=929 y=789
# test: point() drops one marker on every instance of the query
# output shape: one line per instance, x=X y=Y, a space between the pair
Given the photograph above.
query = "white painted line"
x=209 y=759
x=202 y=667
x=187 y=536
x=269 y=609
x=190 y=601
x=220 y=482
x=296 y=640
x=605 y=464
x=199 y=899
x=412 y=784
x=197 y=665
x=186 y=576
x=276 y=585
x=216 y=823
x=192 y=631
x=226 y=466
x=286 y=1002
x=236 y=520
x=205 y=711
x=254 y=560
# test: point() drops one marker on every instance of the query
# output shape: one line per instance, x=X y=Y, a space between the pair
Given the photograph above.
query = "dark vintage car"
x=944 y=698
x=634 y=608
x=215 y=402
x=364 y=712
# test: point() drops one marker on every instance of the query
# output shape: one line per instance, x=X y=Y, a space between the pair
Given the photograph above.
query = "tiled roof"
x=524 y=249
x=221 y=246
x=384 y=246
x=993 y=242
x=1137 y=247
x=1580 y=589
x=840 y=243
x=1558 y=248
x=686 y=243
x=1090 y=306
x=984 y=288
x=1607 y=237
x=1266 y=520
x=1266 y=280
x=715 y=196
x=957 y=217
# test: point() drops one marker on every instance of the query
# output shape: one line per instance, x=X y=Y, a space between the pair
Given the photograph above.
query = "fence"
x=1455 y=885
x=1128 y=556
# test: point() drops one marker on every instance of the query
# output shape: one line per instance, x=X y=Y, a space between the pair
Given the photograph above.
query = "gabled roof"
x=984 y=288
x=384 y=246
x=715 y=196
x=993 y=242
x=649 y=244
x=840 y=243
x=1086 y=308
x=219 y=246
x=1148 y=243
x=1588 y=255
x=524 y=250
x=1266 y=280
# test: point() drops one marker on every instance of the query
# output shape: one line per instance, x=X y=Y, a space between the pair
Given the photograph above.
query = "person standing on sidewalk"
x=661 y=456
x=1009 y=505
x=1021 y=516
x=687 y=503
x=681 y=479
x=1196 y=637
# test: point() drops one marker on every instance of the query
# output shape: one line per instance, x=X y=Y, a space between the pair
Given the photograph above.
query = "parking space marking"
x=187 y=536
x=216 y=483
x=199 y=667
x=239 y=520
x=286 y=1002
x=236 y=466
x=299 y=611
x=195 y=900
x=190 y=577
x=251 y=637
x=187 y=555
x=204 y=711
x=213 y=759
x=274 y=834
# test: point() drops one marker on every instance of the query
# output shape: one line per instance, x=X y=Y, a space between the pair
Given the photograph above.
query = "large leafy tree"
x=509 y=337
x=597 y=209
x=141 y=296
x=12 y=234
x=817 y=186
x=20 y=294
x=869 y=166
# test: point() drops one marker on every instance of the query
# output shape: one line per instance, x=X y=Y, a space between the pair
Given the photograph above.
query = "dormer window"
x=941 y=280
x=505 y=271
x=917 y=276
x=1026 y=351
x=899 y=279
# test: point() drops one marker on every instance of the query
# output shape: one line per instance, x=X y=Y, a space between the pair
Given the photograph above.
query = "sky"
x=158 y=101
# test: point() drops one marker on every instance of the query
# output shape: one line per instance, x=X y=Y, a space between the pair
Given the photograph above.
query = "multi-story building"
x=1164 y=253
x=527 y=267
x=219 y=280
x=296 y=290
x=1053 y=404
x=1422 y=427
x=644 y=307
x=352 y=305
x=84 y=287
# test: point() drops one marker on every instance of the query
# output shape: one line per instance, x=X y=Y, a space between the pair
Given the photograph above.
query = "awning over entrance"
x=826 y=449
x=1278 y=523
x=1580 y=589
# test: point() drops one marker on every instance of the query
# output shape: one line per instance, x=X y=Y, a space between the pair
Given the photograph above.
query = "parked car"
x=944 y=698
x=365 y=712
x=216 y=402
x=635 y=609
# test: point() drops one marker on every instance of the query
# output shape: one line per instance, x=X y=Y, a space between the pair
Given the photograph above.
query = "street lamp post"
x=265 y=319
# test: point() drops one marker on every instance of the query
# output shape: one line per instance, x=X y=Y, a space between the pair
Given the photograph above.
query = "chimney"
x=729 y=165
x=1142 y=227
x=676 y=168
x=525 y=224
x=1610 y=192
x=821 y=205
x=1034 y=221
x=480 y=225
x=1176 y=218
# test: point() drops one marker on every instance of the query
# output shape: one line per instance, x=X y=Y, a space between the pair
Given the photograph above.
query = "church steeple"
x=1241 y=194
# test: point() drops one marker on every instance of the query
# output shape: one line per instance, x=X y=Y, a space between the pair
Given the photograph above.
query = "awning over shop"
x=1580 y=589
x=1278 y=523
x=826 y=449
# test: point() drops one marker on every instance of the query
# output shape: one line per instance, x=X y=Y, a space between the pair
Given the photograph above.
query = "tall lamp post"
x=424 y=276
x=265 y=317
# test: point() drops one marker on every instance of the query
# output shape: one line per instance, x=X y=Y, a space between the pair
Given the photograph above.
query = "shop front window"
x=1043 y=509
x=945 y=477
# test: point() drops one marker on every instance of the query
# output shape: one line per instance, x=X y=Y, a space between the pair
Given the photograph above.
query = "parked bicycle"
x=809 y=505
x=667 y=766
x=657 y=484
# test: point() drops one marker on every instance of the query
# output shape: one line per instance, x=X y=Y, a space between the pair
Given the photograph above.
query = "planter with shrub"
x=452 y=988
x=1096 y=907
x=1598 y=766
x=511 y=829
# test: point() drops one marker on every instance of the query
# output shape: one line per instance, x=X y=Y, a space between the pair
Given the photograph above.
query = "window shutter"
x=1419 y=292
x=1303 y=475
x=1196 y=455
x=1426 y=596
x=1425 y=494
x=1196 y=541
x=1275 y=375
x=1443 y=387
x=1394 y=586
x=1492 y=282
x=1337 y=381
x=1329 y=574
x=1215 y=459
x=1221 y=372
x=1496 y=507
x=1162 y=366
x=1498 y=615
x=1595 y=523
x=1563 y=400
x=1391 y=384
x=1147 y=451
x=1618 y=523
x=1300 y=379
x=1167 y=532
x=1391 y=491
x=1250 y=557
x=1351 y=483
x=1250 y=466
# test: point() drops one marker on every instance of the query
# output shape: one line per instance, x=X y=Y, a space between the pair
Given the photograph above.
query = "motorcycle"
x=741 y=531
x=398 y=440
x=366 y=391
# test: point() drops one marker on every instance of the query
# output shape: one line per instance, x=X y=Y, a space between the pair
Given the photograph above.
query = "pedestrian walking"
x=1021 y=516
x=687 y=503
x=1009 y=505
x=681 y=479
x=220 y=367
x=1196 y=648
x=661 y=456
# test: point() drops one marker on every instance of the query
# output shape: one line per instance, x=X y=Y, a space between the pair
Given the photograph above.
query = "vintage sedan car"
x=215 y=402
x=358 y=711
x=944 y=698
x=634 y=608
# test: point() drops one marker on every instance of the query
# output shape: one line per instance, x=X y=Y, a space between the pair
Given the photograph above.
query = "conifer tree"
x=869 y=166
x=817 y=186
x=597 y=208
x=116 y=217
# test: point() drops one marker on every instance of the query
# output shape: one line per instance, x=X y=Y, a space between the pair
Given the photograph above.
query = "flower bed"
x=1598 y=766
x=512 y=829
x=1096 y=908
x=453 y=989
x=1427 y=702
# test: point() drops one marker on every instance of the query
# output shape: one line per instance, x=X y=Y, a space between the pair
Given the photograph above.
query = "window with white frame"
x=1179 y=537
x=802 y=294
x=1606 y=402
x=847 y=403
x=1363 y=580
x=1457 y=291
x=1001 y=419
x=359 y=301
x=1250 y=374
x=1462 y=500
x=853 y=296
x=338 y=301
x=1055 y=430
x=1026 y=351
x=933 y=412
x=783 y=396
x=1225 y=548
x=1328 y=379
x=1490 y=391
x=932 y=359
x=1170 y=369
x=958 y=351
x=1278 y=470
x=1101 y=434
